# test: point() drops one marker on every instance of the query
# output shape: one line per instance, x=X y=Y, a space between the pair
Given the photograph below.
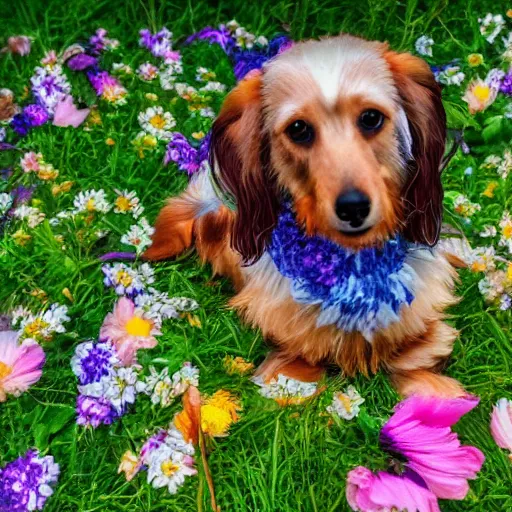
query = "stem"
x=207 y=473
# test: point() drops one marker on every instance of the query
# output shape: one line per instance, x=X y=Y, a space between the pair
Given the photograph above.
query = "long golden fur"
x=328 y=83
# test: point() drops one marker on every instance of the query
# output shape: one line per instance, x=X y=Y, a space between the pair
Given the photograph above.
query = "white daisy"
x=505 y=165
x=139 y=235
x=286 y=389
x=5 y=203
x=168 y=468
x=121 y=68
x=491 y=162
x=128 y=202
x=204 y=74
x=159 y=306
x=506 y=231
x=491 y=26
x=214 y=87
x=452 y=75
x=122 y=390
x=44 y=325
x=157 y=122
x=184 y=90
x=169 y=73
x=346 y=404
x=424 y=45
x=207 y=112
x=32 y=215
x=488 y=232
x=147 y=72
x=91 y=201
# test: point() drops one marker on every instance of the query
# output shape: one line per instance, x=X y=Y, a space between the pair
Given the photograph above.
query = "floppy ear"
x=240 y=159
x=422 y=193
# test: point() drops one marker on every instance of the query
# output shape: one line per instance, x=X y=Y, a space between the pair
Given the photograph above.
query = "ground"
x=274 y=459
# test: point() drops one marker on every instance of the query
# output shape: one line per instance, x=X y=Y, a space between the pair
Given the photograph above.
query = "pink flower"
x=370 y=492
x=420 y=431
x=49 y=59
x=501 y=424
x=129 y=330
x=30 y=161
x=20 y=364
x=19 y=45
x=66 y=113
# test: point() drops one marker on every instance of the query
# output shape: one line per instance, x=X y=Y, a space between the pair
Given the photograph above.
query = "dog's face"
x=352 y=132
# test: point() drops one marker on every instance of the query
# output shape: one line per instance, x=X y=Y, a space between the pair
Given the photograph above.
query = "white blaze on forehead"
x=338 y=67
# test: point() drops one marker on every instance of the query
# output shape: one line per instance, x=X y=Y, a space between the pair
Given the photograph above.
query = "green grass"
x=274 y=459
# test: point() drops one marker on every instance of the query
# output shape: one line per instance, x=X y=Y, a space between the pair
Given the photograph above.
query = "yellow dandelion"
x=489 y=191
x=110 y=141
x=218 y=413
x=475 y=59
x=237 y=365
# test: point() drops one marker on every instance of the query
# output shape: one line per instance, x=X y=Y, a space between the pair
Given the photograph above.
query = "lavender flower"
x=92 y=361
x=159 y=44
x=27 y=482
x=506 y=84
x=187 y=158
x=99 y=42
x=35 y=114
x=93 y=412
x=221 y=36
x=82 y=61
x=50 y=86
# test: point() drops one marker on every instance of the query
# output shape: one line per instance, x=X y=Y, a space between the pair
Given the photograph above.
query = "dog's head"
x=353 y=132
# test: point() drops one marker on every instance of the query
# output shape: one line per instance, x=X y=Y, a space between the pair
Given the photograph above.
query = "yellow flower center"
x=478 y=266
x=137 y=326
x=157 y=121
x=35 y=328
x=169 y=468
x=509 y=272
x=482 y=92
x=123 y=204
x=124 y=278
x=214 y=420
x=345 y=401
x=89 y=206
x=507 y=231
x=5 y=370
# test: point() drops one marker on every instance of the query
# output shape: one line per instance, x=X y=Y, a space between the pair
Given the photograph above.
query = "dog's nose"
x=353 y=207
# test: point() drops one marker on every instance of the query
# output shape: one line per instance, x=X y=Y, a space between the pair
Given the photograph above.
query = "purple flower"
x=506 y=85
x=20 y=124
x=505 y=302
x=151 y=444
x=100 y=80
x=49 y=86
x=92 y=361
x=99 y=42
x=182 y=153
x=27 y=482
x=21 y=195
x=82 y=61
x=95 y=411
x=35 y=114
x=220 y=36
x=159 y=44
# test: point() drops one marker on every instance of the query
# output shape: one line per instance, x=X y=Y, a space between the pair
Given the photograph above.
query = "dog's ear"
x=421 y=100
x=240 y=157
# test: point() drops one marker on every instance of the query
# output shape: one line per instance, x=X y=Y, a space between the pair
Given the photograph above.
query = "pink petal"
x=66 y=113
x=369 y=492
x=501 y=423
x=9 y=347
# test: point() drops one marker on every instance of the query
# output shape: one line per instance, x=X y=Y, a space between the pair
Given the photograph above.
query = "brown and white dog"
x=354 y=133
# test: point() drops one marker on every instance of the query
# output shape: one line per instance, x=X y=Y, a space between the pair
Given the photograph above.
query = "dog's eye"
x=301 y=132
x=371 y=120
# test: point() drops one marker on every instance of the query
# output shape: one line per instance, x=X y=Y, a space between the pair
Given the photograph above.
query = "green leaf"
x=457 y=117
x=53 y=420
x=493 y=131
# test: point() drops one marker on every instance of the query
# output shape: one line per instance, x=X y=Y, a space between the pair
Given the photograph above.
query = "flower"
x=21 y=238
x=99 y=42
x=237 y=365
x=128 y=330
x=144 y=142
x=213 y=87
x=450 y=75
x=159 y=44
x=19 y=45
x=489 y=190
x=506 y=231
x=285 y=390
x=491 y=26
x=463 y=206
x=5 y=203
x=92 y=361
x=475 y=59
x=501 y=424
x=66 y=113
x=139 y=235
x=151 y=96
x=346 y=405
x=65 y=186
x=482 y=259
x=27 y=482
x=169 y=74
x=91 y=201
x=187 y=158
x=121 y=68
x=168 y=467
x=147 y=72
x=127 y=202
x=424 y=45
x=50 y=86
x=479 y=95
x=120 y=388
x=127 y=280
x=488 y=232
x=419 y=430
x=494 y=78
x=32 y=215
x=218 y=413
x=204 y=74
x=49 y=59
x=505 y=302
x=129 y=465
x=159 y=306
x=82 y=61
x=156 y=122
x=94 y=412
x=20 y=364
x=35 y=114
x=491 y=162
x=106 y=86
x=370 y=492
x=505 y=165
x=43 y=325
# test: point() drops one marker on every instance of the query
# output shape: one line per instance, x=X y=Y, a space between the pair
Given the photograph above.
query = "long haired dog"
x=351 y=135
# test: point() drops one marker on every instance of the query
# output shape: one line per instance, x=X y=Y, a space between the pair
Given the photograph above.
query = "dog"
x=352 y=134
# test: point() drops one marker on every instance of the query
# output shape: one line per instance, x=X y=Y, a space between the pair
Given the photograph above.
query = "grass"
x=275 y=459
